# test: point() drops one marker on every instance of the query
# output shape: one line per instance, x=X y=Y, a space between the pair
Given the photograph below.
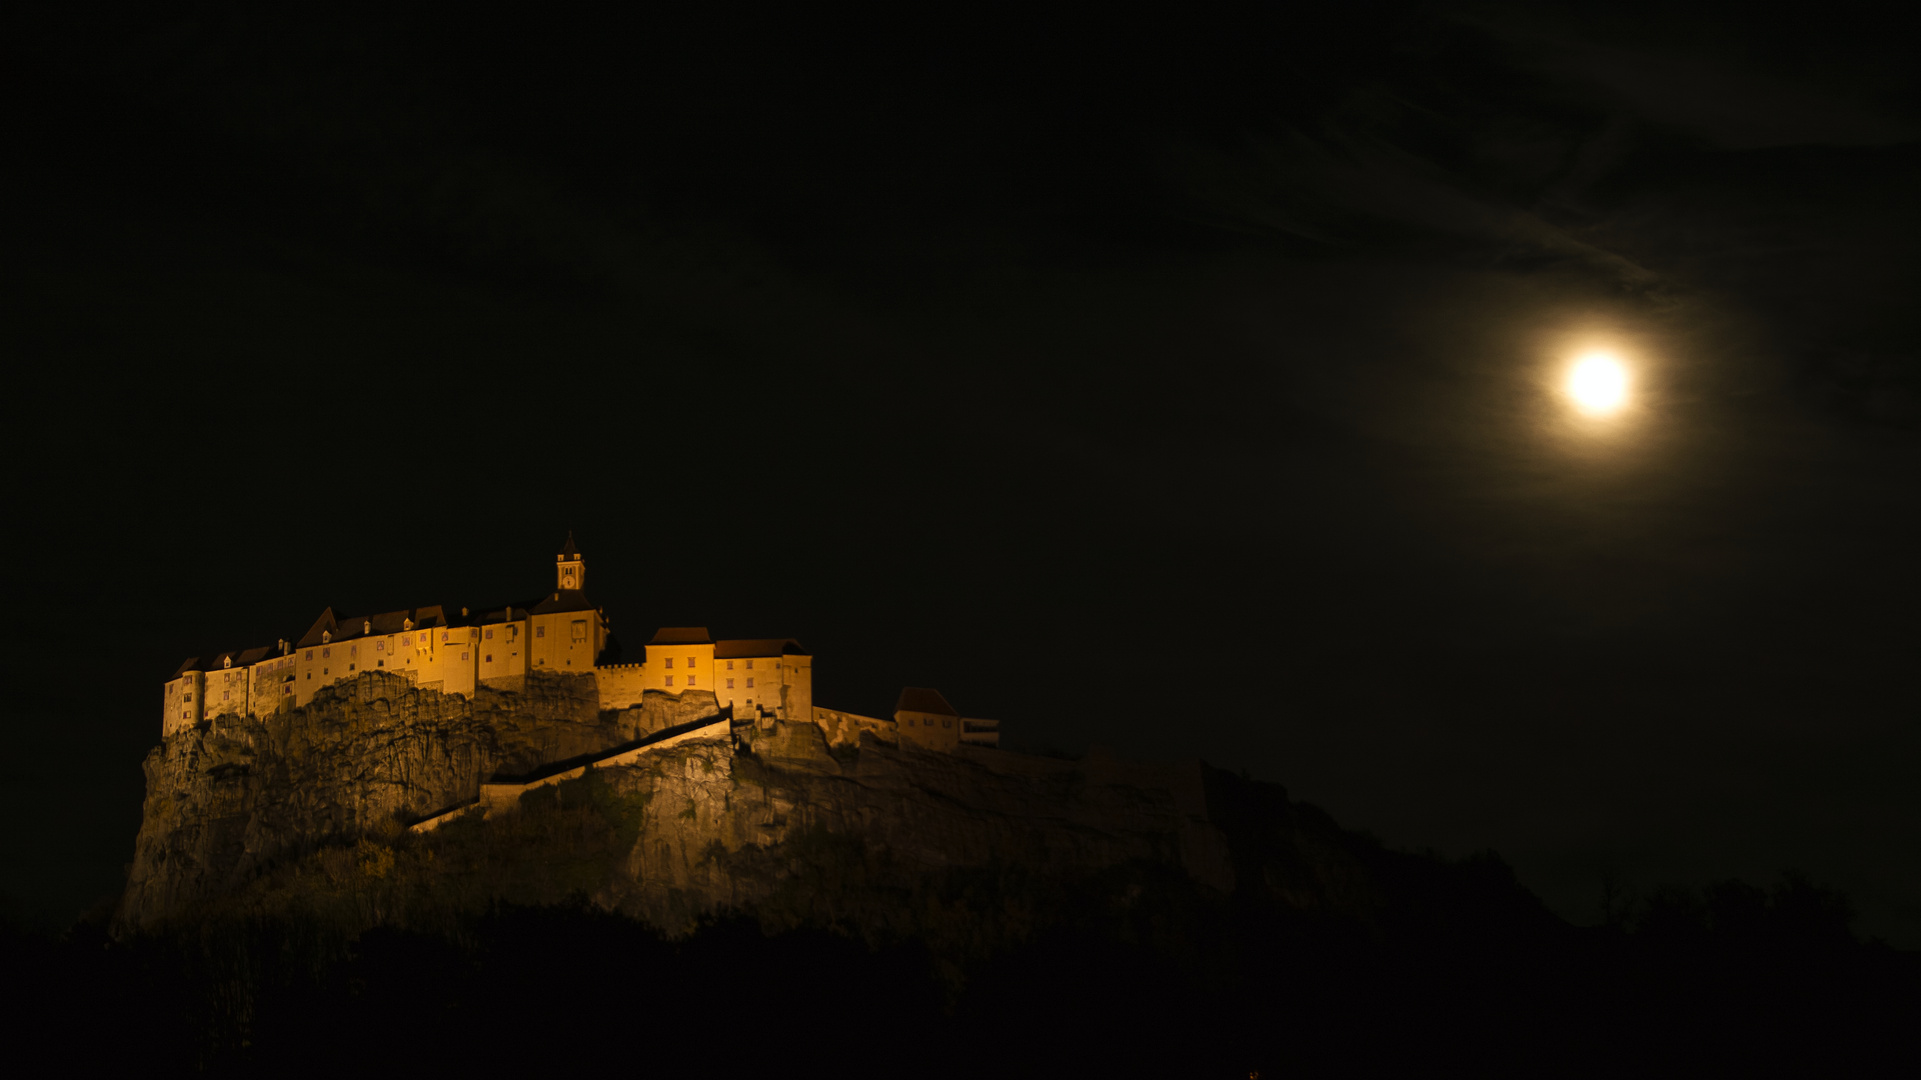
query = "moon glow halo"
x=1598 y=384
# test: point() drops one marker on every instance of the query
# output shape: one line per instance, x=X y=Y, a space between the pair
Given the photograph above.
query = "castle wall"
x=674 y=668
x=932 y=731
x=226 y=692
x=448 y=658
x=181 y=703
x=454 y=661
x=323 y=665
x=311 y=665
x=797 y=688
x=392 y=652
x=753 y=685
x=502 y=651
x=270 y=682
x=500 y=654
x=437 y=655
x=844 y=728
x=566 y=641
x=621 y=685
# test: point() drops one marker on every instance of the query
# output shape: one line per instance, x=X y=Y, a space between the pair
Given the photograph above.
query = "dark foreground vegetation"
x=1735 y=980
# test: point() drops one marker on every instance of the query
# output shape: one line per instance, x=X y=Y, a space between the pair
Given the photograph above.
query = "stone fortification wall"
x=842 y=728
x=502 y=798
x=225 y=690
x=181 y=703
x=621 y=685
x=271 y=685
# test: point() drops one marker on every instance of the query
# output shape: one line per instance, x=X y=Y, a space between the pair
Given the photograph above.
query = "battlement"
x=454 y=650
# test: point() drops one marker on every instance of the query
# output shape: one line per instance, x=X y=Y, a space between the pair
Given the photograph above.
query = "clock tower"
x=570 y=569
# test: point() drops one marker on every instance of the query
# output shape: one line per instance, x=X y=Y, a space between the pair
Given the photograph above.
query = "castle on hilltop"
x=751 y=680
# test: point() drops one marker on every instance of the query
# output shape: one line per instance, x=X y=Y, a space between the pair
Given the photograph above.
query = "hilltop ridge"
x=735 y=821
x=874 y=903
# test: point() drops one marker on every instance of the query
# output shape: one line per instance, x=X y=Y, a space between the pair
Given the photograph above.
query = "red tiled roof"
x=681 y=635
x=923 y=699
x=734 y=648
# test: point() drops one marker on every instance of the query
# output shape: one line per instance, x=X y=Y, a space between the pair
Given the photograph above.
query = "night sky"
x=1183 y=384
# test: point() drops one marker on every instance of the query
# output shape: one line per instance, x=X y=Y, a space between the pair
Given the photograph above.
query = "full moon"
x=1598 y=383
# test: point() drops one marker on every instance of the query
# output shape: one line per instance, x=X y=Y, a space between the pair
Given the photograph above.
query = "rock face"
x=230 y=797
x=968 y=850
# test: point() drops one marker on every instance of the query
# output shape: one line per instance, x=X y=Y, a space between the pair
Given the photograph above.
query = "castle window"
x=750 y=682
x=690 y=680
x=380 y=646
x=540 y=631
x=730 y=667
x=670 y=663
x=580 y=629
x=310 y=654
x=750 y=667
x=424 y=638
x=730 y=684
x=490 y=633
x=189 y=697
x=326 y=652
x=670 y=680
x=690 y=661
x=443 y=637
x=463 y=656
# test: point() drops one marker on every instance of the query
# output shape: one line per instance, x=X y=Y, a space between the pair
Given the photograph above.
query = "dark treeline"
x=1733 y=979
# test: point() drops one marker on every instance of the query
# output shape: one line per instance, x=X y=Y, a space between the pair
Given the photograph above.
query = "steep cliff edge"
x=304 y=814
x=759 y=902
x=230 y=798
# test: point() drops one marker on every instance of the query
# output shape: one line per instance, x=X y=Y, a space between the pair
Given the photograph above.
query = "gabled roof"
x=564 y=600
x=326 y=622
x=387 y=622
x=343 y=628
x=681 y=635
x=735 y=648
x=568 y=550
x=253 y=656
x=923 y=699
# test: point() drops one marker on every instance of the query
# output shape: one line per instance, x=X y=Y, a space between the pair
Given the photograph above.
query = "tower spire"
x=570 y=570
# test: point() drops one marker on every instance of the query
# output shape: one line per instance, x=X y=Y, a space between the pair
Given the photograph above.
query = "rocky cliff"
x=234 y=796
x=305 y=812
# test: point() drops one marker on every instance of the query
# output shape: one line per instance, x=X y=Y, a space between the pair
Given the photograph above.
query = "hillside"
x=293 y=813
x=758 y=901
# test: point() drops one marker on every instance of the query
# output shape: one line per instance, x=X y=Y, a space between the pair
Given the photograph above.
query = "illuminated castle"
x=751 y=680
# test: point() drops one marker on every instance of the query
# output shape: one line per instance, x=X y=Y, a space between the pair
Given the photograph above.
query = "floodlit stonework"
x=457 y=650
